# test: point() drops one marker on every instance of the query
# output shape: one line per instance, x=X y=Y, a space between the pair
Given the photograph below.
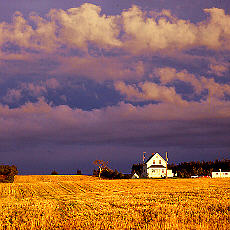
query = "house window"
x=163 y=171
x=153 y=171
x=159 y=161
x=154 y=162
x=226 y=173
x=216 y=173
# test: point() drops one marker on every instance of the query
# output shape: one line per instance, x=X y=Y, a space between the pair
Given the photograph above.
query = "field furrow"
x=56 y=202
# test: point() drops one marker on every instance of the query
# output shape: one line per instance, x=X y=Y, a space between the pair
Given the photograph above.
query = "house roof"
x=156 y=166
x=153 y=156
x=135 y=175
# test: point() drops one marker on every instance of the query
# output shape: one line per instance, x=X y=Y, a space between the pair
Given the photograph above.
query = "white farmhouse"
x=156 y=167
x=220 y=174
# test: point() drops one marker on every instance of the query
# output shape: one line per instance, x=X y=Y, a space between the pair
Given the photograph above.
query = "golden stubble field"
x=84 y=202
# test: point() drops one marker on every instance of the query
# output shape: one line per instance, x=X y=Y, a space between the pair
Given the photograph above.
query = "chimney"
x=166 y=154
x=144 y=157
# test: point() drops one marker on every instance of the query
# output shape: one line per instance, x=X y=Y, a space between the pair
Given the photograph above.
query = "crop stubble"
x=84 y=202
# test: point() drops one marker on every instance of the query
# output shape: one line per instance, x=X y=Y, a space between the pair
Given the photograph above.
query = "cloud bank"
x=78 y=37
x=124 y=123
x=155 y=79
x=134 y=30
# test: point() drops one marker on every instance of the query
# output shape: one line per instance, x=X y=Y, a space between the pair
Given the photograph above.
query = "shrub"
x=78 y=172
x=108 y=173
x=54 y=172
x=7 y=173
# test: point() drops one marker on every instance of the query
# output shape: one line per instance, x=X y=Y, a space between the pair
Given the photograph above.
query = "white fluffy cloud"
x=162 y=31
x=71 y=28
x=32 y=89
x=22 y=34
x=218 y=68
x=86 y=24
x=150 y=91
x=199 y=83
x=134 y=29
x=66 y=38
x=100 y=68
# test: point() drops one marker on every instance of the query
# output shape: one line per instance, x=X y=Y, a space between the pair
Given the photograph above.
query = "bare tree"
x=101 y=165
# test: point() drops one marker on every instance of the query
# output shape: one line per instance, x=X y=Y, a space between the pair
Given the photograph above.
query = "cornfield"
x=84 y=202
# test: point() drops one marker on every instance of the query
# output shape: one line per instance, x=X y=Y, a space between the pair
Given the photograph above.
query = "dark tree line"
x=54 y=172
x=188 y=169
x=7 y=173
x=138 y=169
x=199 y=168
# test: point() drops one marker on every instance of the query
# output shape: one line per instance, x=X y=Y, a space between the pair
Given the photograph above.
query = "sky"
x=109 y=80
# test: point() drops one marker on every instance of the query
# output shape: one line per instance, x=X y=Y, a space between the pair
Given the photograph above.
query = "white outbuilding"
x=135 y=176
x=220 y=174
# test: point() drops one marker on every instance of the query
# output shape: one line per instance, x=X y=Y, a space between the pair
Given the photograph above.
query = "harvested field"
x=84 y=202
x=51 y=178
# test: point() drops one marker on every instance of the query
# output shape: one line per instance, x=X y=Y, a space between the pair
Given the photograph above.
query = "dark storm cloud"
x=124 y=124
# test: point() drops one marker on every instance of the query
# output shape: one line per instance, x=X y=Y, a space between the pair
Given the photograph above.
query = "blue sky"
x=108 y=80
